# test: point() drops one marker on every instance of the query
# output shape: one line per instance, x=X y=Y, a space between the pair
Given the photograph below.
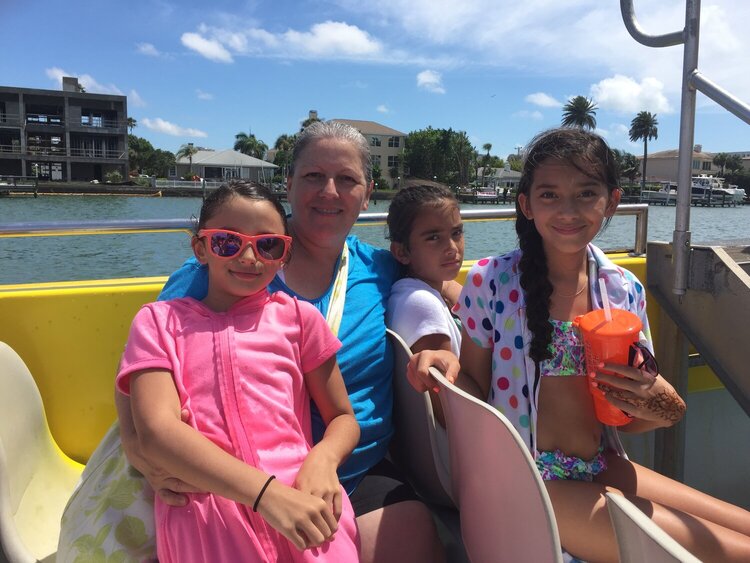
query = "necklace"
x=576 y=294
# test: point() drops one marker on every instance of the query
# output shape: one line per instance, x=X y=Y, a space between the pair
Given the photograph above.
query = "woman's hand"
x=640 y=394
x=304 y=519
x=318 y=477
x=168 y=488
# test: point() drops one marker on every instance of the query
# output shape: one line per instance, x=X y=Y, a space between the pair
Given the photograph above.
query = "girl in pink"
x=241 y=367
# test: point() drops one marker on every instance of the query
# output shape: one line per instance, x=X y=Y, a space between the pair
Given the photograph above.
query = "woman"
x=330 y=183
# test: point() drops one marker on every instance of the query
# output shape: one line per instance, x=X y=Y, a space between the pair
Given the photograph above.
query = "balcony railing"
x=97 y=153
x=46 y=151
x=61 y=152
x=98 y=123
x=45 y=119
x=10 y=119
x=87 y=122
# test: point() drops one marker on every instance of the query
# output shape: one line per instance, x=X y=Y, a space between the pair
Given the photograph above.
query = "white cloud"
x=211 y=49
x=134 y=99
x=526 y=114
x=162 y=126
x=326 y=40
x=542 y=100
x=624 y=94
x=621 y=129
x=431 y=80
x=203 y=95
x=333 y=39
x=382 y=108
x=562 y=39
x=92 y=86
x=85 y=80
x=147 y=49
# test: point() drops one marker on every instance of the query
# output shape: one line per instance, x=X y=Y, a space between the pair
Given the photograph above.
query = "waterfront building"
x=223 y=165
x=662 y=166
x=386 y=147
x=62 y=135
x=500 y=179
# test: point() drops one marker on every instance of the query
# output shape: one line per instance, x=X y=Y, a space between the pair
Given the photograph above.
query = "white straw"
x=605 y=300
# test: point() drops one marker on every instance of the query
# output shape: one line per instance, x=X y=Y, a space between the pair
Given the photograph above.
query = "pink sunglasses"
x=228 y=244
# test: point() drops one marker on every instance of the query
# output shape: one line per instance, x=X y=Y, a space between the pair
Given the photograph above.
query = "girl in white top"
x=427 y=239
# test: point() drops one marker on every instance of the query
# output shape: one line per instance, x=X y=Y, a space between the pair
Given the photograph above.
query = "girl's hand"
x=418 y=369
x=318 y=477
x=641 y=394
x=304 y=519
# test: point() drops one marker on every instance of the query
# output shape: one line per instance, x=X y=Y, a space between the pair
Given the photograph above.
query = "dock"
x=491 y=197
x=700 y=200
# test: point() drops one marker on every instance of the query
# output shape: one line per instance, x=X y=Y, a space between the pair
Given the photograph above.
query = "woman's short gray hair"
x=333 y=130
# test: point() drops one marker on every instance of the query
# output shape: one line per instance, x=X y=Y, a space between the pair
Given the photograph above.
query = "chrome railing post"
x=681 y=235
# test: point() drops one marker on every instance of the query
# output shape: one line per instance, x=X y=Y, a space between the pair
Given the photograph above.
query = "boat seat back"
x=506 y=514
x=36 y=477
x=639 y=538
x=420 y=445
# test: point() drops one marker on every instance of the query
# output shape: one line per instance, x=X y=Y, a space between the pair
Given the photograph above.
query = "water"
x=39 y=259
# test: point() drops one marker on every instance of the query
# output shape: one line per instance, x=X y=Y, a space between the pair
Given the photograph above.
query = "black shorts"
x=384 y=484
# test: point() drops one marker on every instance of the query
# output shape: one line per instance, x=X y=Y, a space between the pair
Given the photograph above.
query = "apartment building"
x=62 y=135
x=386 y=147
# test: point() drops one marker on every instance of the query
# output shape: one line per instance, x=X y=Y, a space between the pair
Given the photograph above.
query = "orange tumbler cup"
x=608 y=342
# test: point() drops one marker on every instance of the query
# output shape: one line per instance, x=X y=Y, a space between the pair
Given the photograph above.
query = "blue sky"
x=498 y=69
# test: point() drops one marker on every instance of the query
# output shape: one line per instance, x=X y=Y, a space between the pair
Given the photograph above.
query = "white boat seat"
x=419 y=446
x=506 y=514
x=639 y=538
x=36 y=477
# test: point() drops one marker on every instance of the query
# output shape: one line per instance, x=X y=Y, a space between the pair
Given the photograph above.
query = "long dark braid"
x=536 y=286
x=590 y=154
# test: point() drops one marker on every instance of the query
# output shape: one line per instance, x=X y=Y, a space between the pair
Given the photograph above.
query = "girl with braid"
x=520 y=353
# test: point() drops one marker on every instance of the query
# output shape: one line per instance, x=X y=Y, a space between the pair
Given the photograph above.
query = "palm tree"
x=580 y=112
x=734 y=163
x=187 y=151
x=285 y=142
x=644 y=126
x=720 y=160
x=630 y=166
x=284 y=146
x=246 y=143
x=485 y=164
x=131 y=124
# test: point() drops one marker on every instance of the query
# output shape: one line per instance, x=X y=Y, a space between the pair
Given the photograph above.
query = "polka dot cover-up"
x=493 y=312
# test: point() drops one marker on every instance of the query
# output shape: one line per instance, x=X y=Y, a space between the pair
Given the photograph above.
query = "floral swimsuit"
x=567 y=360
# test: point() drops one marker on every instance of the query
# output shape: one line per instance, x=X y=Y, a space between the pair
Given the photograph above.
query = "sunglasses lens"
x=648 y=363
x=271 y=248
x=225 y=244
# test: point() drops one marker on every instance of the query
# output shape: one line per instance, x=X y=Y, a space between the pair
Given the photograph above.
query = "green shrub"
x=113 y=177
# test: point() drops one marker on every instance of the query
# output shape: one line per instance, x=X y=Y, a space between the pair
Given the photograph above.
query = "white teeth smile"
x=327 y=211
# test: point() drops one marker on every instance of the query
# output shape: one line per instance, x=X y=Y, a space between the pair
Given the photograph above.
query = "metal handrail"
x=640 y=211
x=692 y=80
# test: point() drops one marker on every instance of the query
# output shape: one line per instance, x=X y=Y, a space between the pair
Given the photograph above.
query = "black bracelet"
x=263 y=490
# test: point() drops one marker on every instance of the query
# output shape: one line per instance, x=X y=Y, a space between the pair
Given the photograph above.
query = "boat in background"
x=704 y=190
x=713 y=187
x=666 y=195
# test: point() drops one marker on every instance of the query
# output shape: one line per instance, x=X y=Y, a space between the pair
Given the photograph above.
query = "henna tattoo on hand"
x=667 y=405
